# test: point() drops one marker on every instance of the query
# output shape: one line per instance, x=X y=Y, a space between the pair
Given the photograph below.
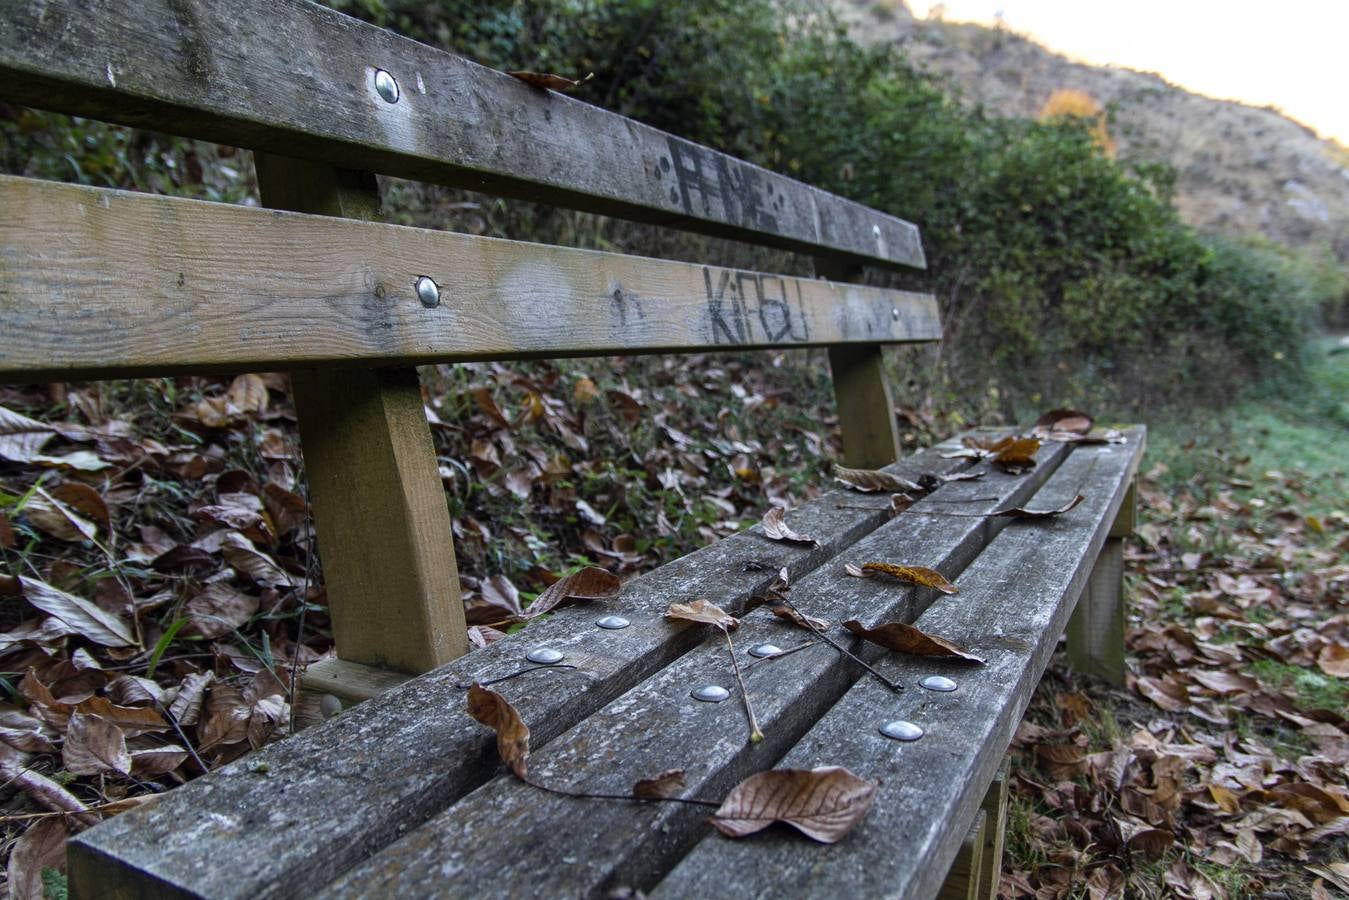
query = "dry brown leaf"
x=502 y=598
x=775 y=526
x=667 y=784
x=823 y=804
x=548 y=81
x=482 y=635
x=157 y=761
x=42 y=846
x=217 y=610
x=483 y=397
x=46 y=792
x=496 y=712
x=920 y=575
x=798 y=618
x=590 y=583
x=240 y=553
x=1017 y=512
x=872 y=480
x=1016 y=455
x=186 y=706
x=83 y=499
x=85 y=617
x=1334 y=660
x=703 y=611
x=132 y=720
x=22 y=438
x=57 y=519
x=904 y=638
x=1069 y=420
x=93 y=745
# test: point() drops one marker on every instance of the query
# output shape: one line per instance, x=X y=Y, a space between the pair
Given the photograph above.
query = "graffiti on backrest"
x=711 y=184
x=752 y=308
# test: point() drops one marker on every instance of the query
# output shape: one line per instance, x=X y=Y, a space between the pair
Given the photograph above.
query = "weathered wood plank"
x=964 y=881
x=109 y=283
x=392 y=765
x=379 y=507
x=348 y=681
x=292 y=77
x=1014 y=602
x=506 y=834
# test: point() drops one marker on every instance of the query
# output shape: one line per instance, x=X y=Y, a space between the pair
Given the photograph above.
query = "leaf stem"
x=841 y=649
x=755 y=735
x=586 y=795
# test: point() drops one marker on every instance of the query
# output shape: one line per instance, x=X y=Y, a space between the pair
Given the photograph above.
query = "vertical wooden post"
x=1096 y=629
x=866 y=411
x=965 y=879
x=379 y=507
x=995 y=807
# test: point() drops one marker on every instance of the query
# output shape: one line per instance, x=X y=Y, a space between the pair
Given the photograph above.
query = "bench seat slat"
x=507 y=835
x=392 y=764
x=1015 y=600
x=106 y=283
x=293 y=77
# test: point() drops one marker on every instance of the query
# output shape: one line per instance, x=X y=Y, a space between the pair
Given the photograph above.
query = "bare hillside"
x=1243 y=170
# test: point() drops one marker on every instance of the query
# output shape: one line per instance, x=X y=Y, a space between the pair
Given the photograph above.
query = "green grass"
x=1314 y=690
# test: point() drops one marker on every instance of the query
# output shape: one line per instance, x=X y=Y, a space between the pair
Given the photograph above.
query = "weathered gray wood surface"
x=505 y=836
x=107 y=283
x=390 y=765
x=292 y=77
x=1015 y=600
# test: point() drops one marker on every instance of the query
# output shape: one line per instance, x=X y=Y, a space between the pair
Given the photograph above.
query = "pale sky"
x=1290 y=53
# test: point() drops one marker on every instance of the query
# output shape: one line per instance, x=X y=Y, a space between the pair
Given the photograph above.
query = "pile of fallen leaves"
x=1223 y=769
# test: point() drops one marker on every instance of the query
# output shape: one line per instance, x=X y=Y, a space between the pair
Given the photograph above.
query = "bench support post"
x=374 y=485
x=1096 y=630
x=866 y=410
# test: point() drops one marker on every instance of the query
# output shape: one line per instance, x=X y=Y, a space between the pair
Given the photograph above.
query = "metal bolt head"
x=762 y=650
x=938 y=683
x=545 y=656
x=711 y=693
x=386 y=86
x=613 y=623
x=900 y=730
x=876 y=231
x=428 y=292
x=894 y=314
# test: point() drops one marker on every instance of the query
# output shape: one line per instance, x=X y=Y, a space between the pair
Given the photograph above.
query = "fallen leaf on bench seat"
x=705 y=612
x=1016 y=455
x=823 y=803
x=775 y=526
x=913 y=574
x=496 y=712
x=548 y=81
x=904 y=638
x=1069 y=420
x=658 y=787
x=1017 y=512
x=872 y=480
x=590 y=583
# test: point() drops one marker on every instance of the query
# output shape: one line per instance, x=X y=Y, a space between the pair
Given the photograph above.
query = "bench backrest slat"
x=296 y=78
x=105 y=283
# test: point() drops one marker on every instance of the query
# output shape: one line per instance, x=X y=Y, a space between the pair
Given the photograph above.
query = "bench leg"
x=374 y=485
x=866 y=410
x=978 y=866
x=1096 y=629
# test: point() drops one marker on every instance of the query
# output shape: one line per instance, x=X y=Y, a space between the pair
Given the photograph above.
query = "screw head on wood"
x=938 y=683
x=428 y=292
x=762 y=650
x=386 y=86
x=900 y=730
x=894 y=314
x=711 y=693
x=613 y=623
x=545 y=656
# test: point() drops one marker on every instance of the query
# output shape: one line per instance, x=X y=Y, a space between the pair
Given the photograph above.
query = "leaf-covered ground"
x=159 y=583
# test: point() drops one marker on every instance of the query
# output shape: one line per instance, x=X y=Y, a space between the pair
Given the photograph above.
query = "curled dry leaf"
x=920 y=575
x=904 y=638
x=157 y=760
x=775 y=526
x=482 y=635
x=1065 y=420
x=1015 y=455
x=1017 y=512
x=94 y=745
x=659 y=787
x=42 y=846
x=218 y=610
x=85 y=617
x=22 y=438
x=58 y=519
x=823 y=803
x=874 y=480
x=496 y=712
x=705 y=612
x=798 y=618
x=548 y=81
x=590 y=583
x=1334 y=660
x=47 y=793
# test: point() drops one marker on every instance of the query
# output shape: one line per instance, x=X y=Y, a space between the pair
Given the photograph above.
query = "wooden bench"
x=403 y=796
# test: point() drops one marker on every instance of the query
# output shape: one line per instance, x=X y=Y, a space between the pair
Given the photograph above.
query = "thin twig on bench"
x=841 y=649
x=755 y=734
x=586 y=795
x=463 y=685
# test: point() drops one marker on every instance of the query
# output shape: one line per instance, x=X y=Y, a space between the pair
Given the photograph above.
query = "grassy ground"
x=1230 y=733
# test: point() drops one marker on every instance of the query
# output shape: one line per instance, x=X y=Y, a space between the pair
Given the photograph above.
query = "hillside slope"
x=1242 y=171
